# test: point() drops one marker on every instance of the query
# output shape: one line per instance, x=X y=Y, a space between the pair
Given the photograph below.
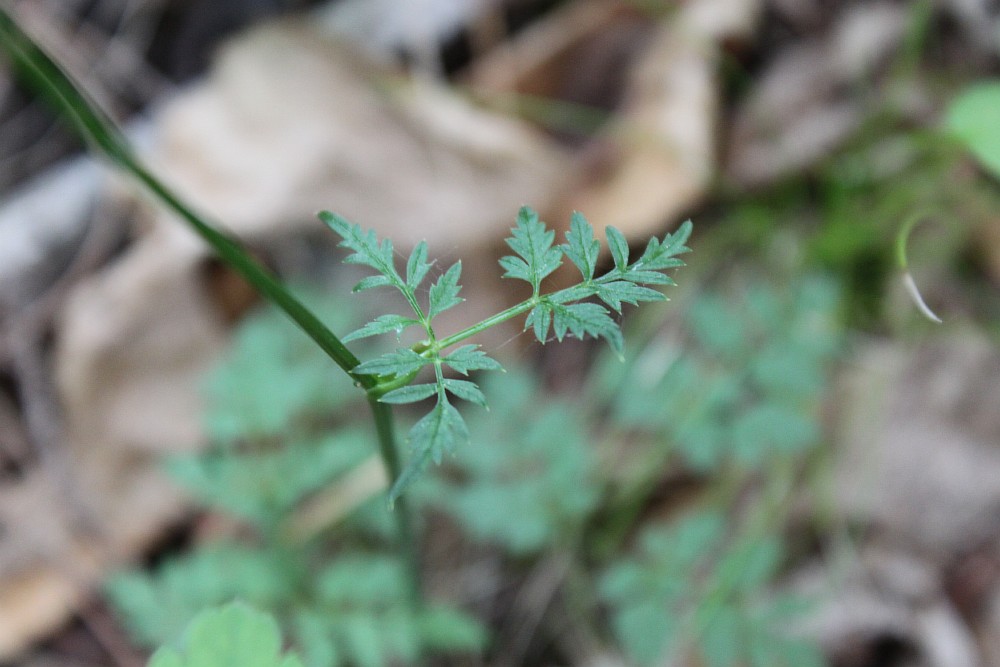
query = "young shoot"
x=582 y=310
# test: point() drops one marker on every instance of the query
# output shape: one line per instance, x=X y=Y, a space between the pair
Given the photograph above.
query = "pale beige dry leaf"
x=918 y=457
x=292 y=122
x=806 y=102
x=884 y=595
x=133 y=343
x=657 y=157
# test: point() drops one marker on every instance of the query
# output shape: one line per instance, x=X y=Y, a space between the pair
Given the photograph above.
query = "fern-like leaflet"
x=569 y=311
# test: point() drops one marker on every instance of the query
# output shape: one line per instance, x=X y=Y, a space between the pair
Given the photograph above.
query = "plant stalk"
x=406 y=535
x=491 y=321
x=97 y=130
x=56 y=86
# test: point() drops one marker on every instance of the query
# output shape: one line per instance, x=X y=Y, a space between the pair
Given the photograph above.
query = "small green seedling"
x=570 y=311
x=582 y=310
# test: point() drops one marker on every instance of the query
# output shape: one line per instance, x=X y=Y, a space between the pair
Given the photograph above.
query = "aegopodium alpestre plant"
x=570 y=311
x=388 y=379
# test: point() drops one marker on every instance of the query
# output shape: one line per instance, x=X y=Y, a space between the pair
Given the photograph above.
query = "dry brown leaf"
x=918 y=470
x=293 y=122
x=800 y=109
x=133 y=344
x=560 y=54
x=884 y=600
x=919 y=459
x=657 y=157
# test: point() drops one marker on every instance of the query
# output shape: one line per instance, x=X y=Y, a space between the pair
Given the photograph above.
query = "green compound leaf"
x=444 y=293
x=381 y=325
x=619 y=291
x=365 y=246
x=575 y=293
x=581 y=247
x=586 y=319
x=358 y=610
x=569 y=311
x=642 y=277
x=232 y=635
x=533 y=244
x=264 y=484
x=401 y=362
x=747 y=382
x=363 y=617
x=660 y=255
x=273 y=375
x=410 y=394
x=471 y=358
x=577 y=319
x=465 y=390
x=155 y=608
x=372 y=282
x=531 y=460
x=619 y=247
x=440 y=431
x=539 y=320
x=417 y=266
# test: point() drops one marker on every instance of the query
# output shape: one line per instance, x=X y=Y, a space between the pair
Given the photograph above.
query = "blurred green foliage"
x=343 y=598
x=231 y=635
x=689 y=589
x=730 y=394
x=974 y=118
x=530 y=480
x=745 y=382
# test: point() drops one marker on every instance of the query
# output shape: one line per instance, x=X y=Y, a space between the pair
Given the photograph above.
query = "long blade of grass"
x=53 y=84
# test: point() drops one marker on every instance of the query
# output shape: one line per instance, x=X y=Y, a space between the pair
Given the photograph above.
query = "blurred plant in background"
x=732 y=399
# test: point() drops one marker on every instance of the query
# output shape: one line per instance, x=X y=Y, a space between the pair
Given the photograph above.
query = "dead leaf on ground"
x=656 y=158
x=814 y=94
x=919 y=457
x=917 y=473
x=293 y=122
x=886 y=606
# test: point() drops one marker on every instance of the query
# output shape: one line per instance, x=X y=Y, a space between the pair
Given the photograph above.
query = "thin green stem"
x=60 y=90
x=406 y=535
x=257 y=275
x=491 y=321
x=94 y=127
x=514 y=311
